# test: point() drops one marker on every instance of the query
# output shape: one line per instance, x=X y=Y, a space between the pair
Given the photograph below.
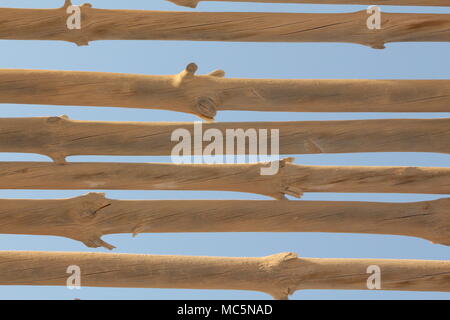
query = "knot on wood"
x=56 y=125
x=88 y=206
x=201 y=99
x=77 y=35
x=281 y=182
x=186 y=3
x=440 y=228
x=280 y=290
x=277 y=260
x=85 y=211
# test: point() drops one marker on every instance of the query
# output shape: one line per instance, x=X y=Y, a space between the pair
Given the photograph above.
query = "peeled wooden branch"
x=204 y=95
x=279 y=275
x=88 y=218
x=58 y=137
x=440 y=3
x=290 y=178
x=101 y=24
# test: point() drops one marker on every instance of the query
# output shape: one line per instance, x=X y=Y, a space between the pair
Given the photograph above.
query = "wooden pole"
x=440 y=3
x=59 y=137
x=288 y=178
x=104 y=24
x=88 y=218
x=279 y=275
x=205 y=95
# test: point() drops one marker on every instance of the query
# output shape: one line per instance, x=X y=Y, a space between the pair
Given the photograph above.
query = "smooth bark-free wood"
x=105 y=24
x=205 y=95
x=279 y=275
x=440 y=3
x=88 y=218
x=59 y=137
x=290 y=178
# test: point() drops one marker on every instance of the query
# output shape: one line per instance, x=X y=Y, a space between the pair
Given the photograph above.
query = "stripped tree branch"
x=58 y=137
x=104 y=24
x=88 y=218
x=290 y=179
x=205 y=95
x=439 y=3
x=279 y=275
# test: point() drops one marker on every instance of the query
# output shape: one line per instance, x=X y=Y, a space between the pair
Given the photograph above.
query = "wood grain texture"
x=59 y=137
x=279 y=275
x=205 y=95
x=104 y=24
x=439 y=3
x=291 y=179
x=88 y=218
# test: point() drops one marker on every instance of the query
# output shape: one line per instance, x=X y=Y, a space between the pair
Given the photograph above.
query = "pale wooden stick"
x=278 y=275
x=89 y=217
x=439 y=3
x=290 y=178
x=205 y=95
x=103 y=24
x=59 y=137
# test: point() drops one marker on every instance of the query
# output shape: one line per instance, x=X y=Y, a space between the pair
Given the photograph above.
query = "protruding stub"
x=187 y=73
x=57 y=157
x=378 y=45
x=186 y=3
x=57 y=120
x=136 y=230
x=67 y=3
x=97 y=242
x=217 y=73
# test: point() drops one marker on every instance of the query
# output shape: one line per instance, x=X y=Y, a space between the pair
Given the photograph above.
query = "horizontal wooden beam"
x=439 y=3
x=88 y=218
x=279 y=275
x=105 y=24
x=287 y=178
x=59 y=137
x=205 y=95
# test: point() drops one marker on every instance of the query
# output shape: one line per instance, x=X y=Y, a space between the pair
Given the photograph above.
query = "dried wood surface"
x=205 y=95
x=291 y=179
x=87 y=218
x=279 y=275
x=439 y=3
x=106 y=24
x=59 y=137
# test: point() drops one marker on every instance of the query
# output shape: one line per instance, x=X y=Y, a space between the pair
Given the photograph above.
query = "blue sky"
x=247 y=60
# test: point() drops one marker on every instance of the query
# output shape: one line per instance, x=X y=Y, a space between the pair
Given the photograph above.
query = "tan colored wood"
x=59 y=137
x=279 y=275
x=291 y=179
x=105 y=24
x=88 y=218
x=205 y=95
x=440 y=3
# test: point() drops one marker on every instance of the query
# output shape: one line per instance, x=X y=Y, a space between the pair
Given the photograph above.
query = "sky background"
x=239 y=60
